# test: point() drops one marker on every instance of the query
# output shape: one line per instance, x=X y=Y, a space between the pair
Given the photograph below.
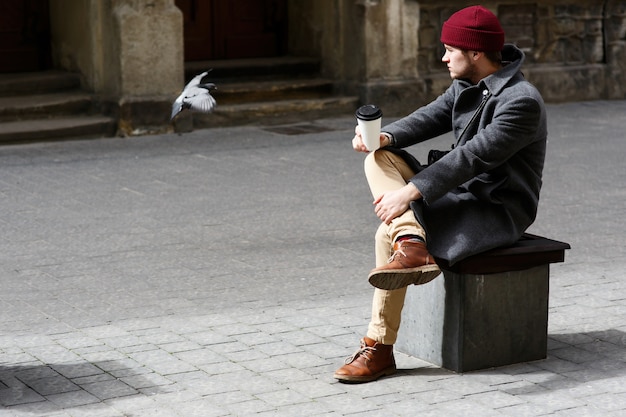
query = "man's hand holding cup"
x=367 y=132
x=359 y=146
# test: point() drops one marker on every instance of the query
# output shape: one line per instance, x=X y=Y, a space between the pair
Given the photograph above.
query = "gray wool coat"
x=484 y=193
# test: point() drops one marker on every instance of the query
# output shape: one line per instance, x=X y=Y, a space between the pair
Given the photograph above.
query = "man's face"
x=459 y=63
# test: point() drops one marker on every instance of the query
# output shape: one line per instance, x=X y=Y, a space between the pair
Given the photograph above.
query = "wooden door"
x=24 y=35
x=229 y=29
x=198 y=28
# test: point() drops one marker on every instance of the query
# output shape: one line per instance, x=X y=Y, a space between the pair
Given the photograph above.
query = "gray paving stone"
x=609 y=401
x=145 y=380
x=162 y=362
x=201 y=408
x=526 y=410
x=278 y=348
x=287 y=375
x=249 y=408
x=199 y=357
x=208 y=338
x=233 y=396
x=303 y=360
x=346 y=404
x=553 y=401
x=52 y=385
x=94 y=410
x=494 y=399
x=244 y=354
x=93 y=378
x=468 y=408
x=316 y=388
x=36 y=408
x=221 y=368
x=264 y=365
x=283 y=397
x=72 y=399
x=583 y=412
x=105 y=390
x=306 y=409
x=437 y=396
x=465 y=387
x=18 y=395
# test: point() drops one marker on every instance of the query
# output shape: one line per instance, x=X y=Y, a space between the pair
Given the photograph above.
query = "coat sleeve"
x=511 y=127
x=424 y=123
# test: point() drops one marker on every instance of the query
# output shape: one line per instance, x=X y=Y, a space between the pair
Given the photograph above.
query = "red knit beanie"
x=473 y=29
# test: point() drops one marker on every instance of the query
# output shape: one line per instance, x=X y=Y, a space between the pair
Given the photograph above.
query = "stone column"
x=390 y=38
x=146 y=61
x=129 y=52
x=390 y=54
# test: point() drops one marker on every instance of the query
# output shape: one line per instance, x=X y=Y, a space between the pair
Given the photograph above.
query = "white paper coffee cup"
x=369 y=118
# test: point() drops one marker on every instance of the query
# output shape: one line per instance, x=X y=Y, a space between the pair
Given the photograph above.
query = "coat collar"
x=512 y=59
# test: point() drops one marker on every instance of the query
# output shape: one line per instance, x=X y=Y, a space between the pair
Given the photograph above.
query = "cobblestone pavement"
x=222 y=273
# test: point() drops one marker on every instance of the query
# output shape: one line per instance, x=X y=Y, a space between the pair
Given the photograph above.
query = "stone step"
x=276 y=112
x=272 y=90
x=253 y=68
x=48 y=105
x=23 y=107
x=58 y=128
x=267 y=91
x=41 y=82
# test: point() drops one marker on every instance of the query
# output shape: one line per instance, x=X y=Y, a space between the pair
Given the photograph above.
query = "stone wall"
x=148 y=40
x=572 y=47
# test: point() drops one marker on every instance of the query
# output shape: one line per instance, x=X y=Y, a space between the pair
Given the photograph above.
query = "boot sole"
x=366 y=378
x=393 y=279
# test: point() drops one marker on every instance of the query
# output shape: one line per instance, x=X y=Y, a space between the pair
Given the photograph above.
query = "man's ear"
x=476 y=55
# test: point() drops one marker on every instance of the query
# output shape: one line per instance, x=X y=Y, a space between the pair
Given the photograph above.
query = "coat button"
x=485 y=92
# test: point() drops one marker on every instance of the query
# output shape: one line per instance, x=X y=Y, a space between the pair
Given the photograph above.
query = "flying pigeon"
x=195 y=97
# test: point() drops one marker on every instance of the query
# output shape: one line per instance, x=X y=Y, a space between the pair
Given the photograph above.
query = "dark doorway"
x=230 y=29
x=24 y=35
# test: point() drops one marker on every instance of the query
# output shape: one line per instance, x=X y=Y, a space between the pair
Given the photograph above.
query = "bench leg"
x=466 y=322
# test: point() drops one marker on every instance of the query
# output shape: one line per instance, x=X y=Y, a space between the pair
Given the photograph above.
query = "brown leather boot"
x=369 y=363
x=410 y=264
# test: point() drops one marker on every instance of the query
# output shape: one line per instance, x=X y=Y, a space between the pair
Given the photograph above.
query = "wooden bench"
x=486 y=311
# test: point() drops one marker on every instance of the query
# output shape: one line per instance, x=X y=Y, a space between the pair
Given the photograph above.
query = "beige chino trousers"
x=386 y=171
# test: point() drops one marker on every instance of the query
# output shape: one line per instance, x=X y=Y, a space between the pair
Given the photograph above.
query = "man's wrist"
x=390 y=139
x=413 y=191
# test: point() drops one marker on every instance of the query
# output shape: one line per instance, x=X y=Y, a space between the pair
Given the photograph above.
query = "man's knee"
x=373 y=159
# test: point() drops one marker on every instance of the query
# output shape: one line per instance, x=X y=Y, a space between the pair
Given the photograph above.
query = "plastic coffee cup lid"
x=369 y=112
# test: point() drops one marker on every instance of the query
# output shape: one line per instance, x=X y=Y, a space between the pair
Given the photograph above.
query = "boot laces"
x=364 y=350
x=399 y=251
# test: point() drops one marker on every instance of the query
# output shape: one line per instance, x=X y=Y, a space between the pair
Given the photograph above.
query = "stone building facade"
x=575 y=49
x=130 y=52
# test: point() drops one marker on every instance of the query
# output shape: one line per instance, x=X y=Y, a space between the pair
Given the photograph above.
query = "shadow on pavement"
x=573 y=359
x=53 y=387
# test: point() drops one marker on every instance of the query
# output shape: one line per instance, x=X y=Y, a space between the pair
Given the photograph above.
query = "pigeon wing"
x=202 y=101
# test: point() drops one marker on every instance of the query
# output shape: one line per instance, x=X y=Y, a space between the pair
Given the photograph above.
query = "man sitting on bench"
x=480 y=195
